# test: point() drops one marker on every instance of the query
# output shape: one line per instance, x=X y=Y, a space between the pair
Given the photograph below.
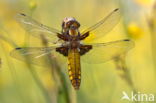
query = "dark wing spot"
x=126 y=40
x=18 y=48
x=116 y=9
x=22 y=14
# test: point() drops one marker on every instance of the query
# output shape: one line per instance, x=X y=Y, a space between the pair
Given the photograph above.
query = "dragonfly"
x=68 y=43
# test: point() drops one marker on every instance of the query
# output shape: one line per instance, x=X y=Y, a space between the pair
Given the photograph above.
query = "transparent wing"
x=36 y=55
x=37 y=29
x=102 y=52
x=104 y=26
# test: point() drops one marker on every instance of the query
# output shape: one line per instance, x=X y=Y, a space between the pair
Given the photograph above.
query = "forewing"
x=37 y=29
x=102 y=52
x=104 y=26
x=36 y=55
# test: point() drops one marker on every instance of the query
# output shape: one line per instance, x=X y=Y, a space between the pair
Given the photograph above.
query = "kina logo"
x=138 y=96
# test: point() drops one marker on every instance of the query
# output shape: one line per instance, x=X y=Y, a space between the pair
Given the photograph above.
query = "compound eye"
x=75 y=24
x=67 y=24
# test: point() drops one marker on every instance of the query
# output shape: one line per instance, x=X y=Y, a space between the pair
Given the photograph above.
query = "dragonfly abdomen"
x=74 y=68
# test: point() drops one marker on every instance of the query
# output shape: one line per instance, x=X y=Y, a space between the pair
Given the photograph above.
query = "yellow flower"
x=32 y=5
x=134 y=30
x=144 y=2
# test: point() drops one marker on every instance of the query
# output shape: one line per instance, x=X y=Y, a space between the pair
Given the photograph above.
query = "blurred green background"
x=101 y=83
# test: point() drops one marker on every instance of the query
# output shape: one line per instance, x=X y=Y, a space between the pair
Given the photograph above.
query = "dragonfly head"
x=71 y=25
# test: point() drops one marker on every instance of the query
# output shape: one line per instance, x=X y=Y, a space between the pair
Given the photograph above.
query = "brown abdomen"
x=74 y=68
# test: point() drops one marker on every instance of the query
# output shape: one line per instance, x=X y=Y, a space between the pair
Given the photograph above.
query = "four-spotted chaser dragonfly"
x=72 y=46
